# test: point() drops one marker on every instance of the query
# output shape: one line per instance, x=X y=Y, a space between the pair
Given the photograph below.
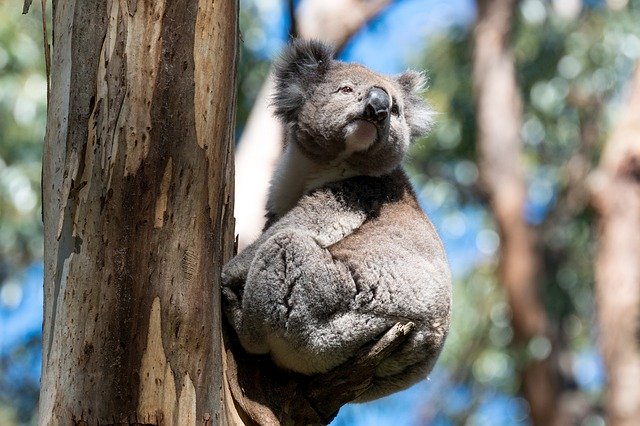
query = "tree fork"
x=268 y=396
x=137 y=209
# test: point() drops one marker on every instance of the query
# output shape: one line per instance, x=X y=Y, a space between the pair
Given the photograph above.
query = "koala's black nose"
x=377 y=107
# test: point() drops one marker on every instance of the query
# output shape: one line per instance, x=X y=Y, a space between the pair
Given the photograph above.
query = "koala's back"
x=396 y=254
x=400 y=272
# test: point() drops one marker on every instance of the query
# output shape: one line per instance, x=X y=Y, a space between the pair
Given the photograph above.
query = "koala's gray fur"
x=347 y=252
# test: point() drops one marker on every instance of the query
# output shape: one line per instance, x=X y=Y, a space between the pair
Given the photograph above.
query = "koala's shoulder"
x=396 y=232
x=372 y=194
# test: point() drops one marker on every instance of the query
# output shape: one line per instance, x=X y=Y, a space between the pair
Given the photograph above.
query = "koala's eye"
x=346 y=89
x=395 y=110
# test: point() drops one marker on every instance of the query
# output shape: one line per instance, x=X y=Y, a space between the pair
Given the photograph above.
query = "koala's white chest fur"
x=359 y=136
x=296 y=174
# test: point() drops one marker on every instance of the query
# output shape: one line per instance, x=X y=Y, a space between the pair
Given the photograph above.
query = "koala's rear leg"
x=297 y=305
x=408 y=364
x=325 y=345
x=291 y=277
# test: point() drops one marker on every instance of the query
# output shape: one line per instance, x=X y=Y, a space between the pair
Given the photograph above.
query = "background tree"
x=571 y=63
x=499 y=118
x=617 y=199
x=137 y=205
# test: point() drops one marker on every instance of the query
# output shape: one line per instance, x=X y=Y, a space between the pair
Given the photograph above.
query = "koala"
x=346 y=252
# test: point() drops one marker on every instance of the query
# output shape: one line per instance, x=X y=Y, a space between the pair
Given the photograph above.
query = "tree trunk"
x=137 y=205
x=499 y=115
x=261 y=143
x=616 y=186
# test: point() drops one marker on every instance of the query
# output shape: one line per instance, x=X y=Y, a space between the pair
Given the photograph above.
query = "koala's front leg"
x=318 y=220
x=297 y=306
x=323 y=215
x=288 y=267
x=320 y=215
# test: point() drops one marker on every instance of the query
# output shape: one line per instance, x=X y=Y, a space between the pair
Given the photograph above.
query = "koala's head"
x=339 y=111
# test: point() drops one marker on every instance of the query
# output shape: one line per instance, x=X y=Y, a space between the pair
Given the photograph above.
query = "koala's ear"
x=303 y=64
x=418 y=114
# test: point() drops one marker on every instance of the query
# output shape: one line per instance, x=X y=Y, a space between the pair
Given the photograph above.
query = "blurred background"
x=511 y=193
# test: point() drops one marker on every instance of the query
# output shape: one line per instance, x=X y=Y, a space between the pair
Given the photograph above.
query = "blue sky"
x=21 y=308
x=393 y=41
x=389 y=43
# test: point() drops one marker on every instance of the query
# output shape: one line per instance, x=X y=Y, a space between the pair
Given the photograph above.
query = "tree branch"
x=334 y=21
x=293 y=25
x=26 y=6
x=267 y=395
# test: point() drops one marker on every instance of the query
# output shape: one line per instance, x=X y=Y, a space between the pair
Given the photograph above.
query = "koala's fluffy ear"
x=303 y=64
x=417 y=113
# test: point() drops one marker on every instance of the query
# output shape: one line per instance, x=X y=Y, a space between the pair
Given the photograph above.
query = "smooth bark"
x=499 y=117
x=616 y=191
x=137 y=205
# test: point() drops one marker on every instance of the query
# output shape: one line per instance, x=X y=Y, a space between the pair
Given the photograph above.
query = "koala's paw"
x=233 y=277
x=232 y=305
x=234 y=274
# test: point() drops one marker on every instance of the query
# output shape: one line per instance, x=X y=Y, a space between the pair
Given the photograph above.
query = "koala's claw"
x=234 y=274
x=229 y=296
x=231 y=281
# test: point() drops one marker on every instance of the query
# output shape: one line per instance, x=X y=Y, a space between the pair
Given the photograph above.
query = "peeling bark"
x=499 y=116
x=333 y=21
x=616 y=196
x=137 y=202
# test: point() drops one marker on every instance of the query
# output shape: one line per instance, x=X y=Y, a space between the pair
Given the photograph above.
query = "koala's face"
x=338 y=111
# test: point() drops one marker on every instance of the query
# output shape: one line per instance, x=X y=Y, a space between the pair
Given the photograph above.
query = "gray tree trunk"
x=137 y=209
